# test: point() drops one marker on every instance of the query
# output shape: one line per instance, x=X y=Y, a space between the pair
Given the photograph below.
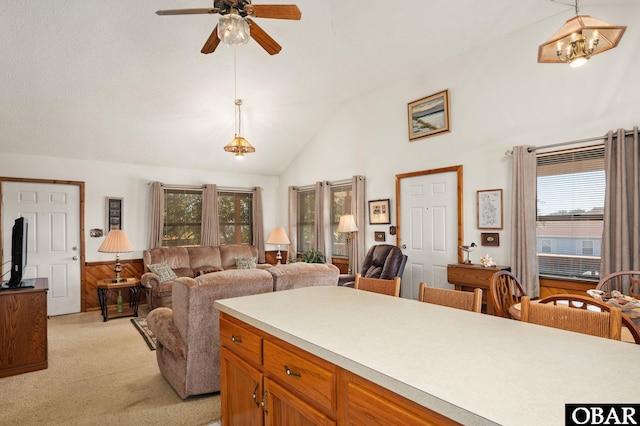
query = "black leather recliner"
x=383 y=261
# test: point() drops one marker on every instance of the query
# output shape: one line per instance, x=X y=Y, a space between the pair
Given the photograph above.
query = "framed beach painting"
x=429 y=116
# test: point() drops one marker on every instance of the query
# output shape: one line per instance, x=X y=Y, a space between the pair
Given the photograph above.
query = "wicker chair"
x=585 y=302
x=626 y=282
x=451 y=298
x=505 y=290
x=377 y=285
x=606 y=324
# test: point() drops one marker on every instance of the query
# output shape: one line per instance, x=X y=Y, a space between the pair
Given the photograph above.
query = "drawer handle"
x=291 y=373
x=235 y=339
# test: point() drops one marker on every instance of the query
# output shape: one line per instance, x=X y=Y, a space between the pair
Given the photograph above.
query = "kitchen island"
x=472 y=368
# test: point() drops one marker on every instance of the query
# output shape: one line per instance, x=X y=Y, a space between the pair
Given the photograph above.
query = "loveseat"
x=189 y=262
x=188 y=334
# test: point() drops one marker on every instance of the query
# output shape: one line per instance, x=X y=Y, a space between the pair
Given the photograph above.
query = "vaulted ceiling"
x=112 y=81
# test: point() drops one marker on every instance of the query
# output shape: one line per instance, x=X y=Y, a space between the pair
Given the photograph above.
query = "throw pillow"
x=164 y=271
x=245 y=262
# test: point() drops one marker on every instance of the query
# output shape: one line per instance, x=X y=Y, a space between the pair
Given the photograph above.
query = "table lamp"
x=116 y=242
x=277 y=237
x=347 y=225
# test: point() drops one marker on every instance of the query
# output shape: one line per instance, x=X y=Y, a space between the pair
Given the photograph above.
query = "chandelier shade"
x=579 y=39
x=239 y=146
x=233 y=30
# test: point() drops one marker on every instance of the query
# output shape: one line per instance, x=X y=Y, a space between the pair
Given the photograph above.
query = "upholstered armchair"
x=383 y=261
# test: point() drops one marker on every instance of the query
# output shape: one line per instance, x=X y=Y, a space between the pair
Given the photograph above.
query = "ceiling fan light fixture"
x=233 y=30
x=579 y=39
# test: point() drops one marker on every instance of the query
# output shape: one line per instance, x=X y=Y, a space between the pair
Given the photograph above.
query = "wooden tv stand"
x=23 y=329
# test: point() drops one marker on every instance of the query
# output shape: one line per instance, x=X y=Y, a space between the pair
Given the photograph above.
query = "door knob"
x=74 y=248
x=75 y=257
x=404 y=246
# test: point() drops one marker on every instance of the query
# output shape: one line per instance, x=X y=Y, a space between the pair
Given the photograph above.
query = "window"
x=306 y=220
x=235 y=217
x=570 y=208
x=182 y=217
x=340 y=205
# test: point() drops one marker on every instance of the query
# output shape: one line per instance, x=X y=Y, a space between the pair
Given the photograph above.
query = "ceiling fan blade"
x=212 y=42
x=187 y=11
x=277 y=11
x=263 y=39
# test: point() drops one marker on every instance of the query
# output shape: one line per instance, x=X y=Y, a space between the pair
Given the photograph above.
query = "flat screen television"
x=18 y=251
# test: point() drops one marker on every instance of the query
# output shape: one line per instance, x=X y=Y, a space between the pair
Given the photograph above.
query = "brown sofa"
x=188 y=262
x=188 y=334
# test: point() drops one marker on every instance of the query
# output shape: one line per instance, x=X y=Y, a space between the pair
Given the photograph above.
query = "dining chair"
x=585 y=302
x=378 y=285
x=626 y=282
x=606 y=324
x=504 y=290
x=452 y=298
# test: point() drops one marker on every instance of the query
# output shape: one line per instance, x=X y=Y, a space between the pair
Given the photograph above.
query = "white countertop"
x=474 y=368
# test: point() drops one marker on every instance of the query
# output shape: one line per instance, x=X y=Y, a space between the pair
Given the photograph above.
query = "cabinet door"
x=240 y=391
x=285 y=409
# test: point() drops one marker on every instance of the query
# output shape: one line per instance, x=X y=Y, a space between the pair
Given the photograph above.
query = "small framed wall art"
x=429 y=116
x=114 y=213
x=489 y=205
x=379 y=236
x=379 y=212
x=490 y=238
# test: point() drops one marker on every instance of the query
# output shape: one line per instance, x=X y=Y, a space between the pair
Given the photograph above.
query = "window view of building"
x=570 y=206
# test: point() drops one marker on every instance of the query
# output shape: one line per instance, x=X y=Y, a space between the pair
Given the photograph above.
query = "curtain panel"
x=621 y=234
x=157 y=215
x=210 y=231
x=358 y=209
x=293 y=222
x=524 y=259
x=258 y=223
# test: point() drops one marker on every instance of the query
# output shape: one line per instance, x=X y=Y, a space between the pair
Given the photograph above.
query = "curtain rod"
x=553 y=145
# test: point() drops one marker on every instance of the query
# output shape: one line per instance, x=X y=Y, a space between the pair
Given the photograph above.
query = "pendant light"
x=239 y=145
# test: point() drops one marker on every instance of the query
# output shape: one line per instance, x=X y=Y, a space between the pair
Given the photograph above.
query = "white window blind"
x=570 y=205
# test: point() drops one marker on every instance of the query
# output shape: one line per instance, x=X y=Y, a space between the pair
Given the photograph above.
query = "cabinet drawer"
x=241 y=341
x=303 y=373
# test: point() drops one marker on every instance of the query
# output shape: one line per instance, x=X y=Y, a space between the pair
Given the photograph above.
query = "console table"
x=467 y=277
x=23 y=328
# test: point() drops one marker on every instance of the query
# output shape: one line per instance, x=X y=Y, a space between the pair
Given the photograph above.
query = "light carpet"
x=99 y=373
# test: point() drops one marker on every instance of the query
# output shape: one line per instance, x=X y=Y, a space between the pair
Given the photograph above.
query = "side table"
x=105 y=287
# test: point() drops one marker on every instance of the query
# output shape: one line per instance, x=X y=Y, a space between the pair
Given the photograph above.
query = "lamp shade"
x=347 y=223
x=116 y=242
x=278 y=236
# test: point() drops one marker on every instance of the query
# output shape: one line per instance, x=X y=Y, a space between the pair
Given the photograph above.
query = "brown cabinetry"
x=266 y=381
x=23 y=329
x=468 y=277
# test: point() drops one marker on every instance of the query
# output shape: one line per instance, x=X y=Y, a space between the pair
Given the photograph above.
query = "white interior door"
x=53 y=215
x=428 y=229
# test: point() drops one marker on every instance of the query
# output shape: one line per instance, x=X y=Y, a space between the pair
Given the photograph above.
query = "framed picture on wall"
x=429 y=116
x=114 y=213
x=489 y=205
x=379 y=213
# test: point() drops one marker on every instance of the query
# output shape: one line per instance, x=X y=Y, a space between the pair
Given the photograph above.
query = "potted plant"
x=311 y=256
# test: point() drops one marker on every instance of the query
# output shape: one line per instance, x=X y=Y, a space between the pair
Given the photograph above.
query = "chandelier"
x=579 y=39
x=233 y=29
x=239 y=145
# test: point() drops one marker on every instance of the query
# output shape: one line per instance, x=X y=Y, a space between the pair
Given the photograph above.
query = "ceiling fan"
x=244 y=9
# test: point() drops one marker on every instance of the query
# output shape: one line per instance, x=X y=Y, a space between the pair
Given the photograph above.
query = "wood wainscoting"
x=95 y=271
x=549 y=287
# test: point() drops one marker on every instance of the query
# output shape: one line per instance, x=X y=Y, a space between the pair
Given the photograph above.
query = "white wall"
x=131 y=182
x=500 y=97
